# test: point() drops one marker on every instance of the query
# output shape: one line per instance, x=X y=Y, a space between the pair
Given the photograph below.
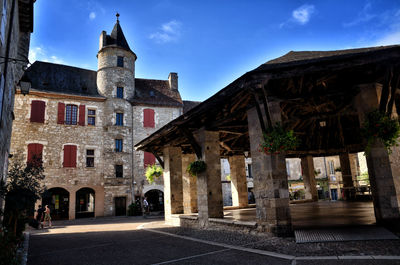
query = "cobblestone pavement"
x=121 y=241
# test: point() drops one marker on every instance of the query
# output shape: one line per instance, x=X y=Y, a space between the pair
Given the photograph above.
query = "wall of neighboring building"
x=162 y=115
x=18 y=48
x=54 y=137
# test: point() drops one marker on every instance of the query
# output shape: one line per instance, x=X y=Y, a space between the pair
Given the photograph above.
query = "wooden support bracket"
x=196 y=147
x=259 y=113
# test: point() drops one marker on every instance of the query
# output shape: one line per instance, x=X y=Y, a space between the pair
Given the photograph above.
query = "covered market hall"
x=324 y=97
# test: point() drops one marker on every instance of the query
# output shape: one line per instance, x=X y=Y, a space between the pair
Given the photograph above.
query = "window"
x=331 y=167
x=89 y=158
x=119 y=171
x=69 y=156
x=35 y=153
x=37 y=111
x=120 y=61
x=119 y=119
x=71 y=114
x=149 y=159
x=249 y=171
x=91 y=119
x=118 y=145
x=148 y=118
x=120 y=92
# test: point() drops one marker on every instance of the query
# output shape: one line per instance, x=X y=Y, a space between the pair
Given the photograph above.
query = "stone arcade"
x=84 y=124
x=322 y=96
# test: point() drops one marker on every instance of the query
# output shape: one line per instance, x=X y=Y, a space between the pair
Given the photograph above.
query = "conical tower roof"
x=117 y=38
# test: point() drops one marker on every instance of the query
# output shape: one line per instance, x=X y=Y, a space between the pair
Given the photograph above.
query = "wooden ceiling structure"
x=311 y=88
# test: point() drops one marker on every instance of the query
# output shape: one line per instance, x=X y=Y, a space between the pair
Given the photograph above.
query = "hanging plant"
x=277 y=140
x=196 y=167
x=377 y=125
x=152 y=172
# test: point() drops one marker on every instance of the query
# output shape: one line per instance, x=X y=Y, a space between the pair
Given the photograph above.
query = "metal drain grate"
x=343 y=234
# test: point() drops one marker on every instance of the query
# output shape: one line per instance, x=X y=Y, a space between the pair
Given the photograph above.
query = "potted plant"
x=378 y=125
x=152 y=172
x=277 y=140
x=196 y=167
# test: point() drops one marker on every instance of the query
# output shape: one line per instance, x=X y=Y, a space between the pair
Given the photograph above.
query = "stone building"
x=84 y=124
x=16 y=25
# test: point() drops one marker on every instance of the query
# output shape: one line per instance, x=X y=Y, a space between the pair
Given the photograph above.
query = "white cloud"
x=389 y=39
x=40 y=54
x=168 y=32
x=92 y=15
x=363 y=16
x=303 y=14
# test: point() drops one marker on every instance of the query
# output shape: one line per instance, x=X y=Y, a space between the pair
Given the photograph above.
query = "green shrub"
x=277 y=140
x=196 y=167
x=152 y=172
x=134 y=209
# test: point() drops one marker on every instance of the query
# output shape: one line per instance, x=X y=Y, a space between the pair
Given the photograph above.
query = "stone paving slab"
x=343 y=234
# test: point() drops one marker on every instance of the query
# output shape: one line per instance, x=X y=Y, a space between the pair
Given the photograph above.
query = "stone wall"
x=54 y=136
x=19 y=47
x=162 y=115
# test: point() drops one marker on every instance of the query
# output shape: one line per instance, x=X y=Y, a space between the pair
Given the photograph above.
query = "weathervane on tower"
x=117 y=15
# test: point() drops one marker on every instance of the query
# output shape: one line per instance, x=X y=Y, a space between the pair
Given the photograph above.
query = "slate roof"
x=155 y=92
x=117 y=38
x=188 y=105
x=299 y=57
x=63 y=79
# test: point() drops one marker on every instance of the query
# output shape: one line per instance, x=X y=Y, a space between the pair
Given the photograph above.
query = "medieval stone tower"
x=116 y=82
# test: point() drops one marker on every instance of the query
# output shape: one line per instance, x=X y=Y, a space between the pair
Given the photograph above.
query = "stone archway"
x=155 y=198
x=58 y=201
x=85 y=203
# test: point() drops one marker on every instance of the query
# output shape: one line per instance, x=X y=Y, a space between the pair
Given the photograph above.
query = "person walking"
x=39 y=216
x=145 y=205
x=47 y=216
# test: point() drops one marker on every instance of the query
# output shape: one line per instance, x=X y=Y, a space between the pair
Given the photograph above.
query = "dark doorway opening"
x=58 y=201
x=120 y=206
x=85 y=200
x=155 y=198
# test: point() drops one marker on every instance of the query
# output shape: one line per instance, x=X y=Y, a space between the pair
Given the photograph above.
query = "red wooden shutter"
x=148 y=118
x=61 y=111
x=34 y=151
x=37 y=111
x=69 y=156
x=82 y=115
x=149 y=159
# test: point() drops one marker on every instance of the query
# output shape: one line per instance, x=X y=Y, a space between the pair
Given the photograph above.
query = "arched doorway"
x=155 y=198
x=58 y=201
x=84 y=203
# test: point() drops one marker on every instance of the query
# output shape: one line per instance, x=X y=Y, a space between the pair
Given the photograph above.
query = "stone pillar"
x=209 y=188
x=72 y=203
x=189 y=183
x=383 y=169
x=347 y=176
x=173 y=196
x=307 y=166
x=270 y=183
x=384 y=177
x=238 y=181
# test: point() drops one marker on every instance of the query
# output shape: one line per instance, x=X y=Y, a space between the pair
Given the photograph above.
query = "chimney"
x=173 y=81
x=102 y=41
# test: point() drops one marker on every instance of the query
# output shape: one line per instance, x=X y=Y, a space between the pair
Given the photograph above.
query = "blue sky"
x=209 y=43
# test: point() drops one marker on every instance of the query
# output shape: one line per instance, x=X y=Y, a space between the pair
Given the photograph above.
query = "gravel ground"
x=287 y=245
